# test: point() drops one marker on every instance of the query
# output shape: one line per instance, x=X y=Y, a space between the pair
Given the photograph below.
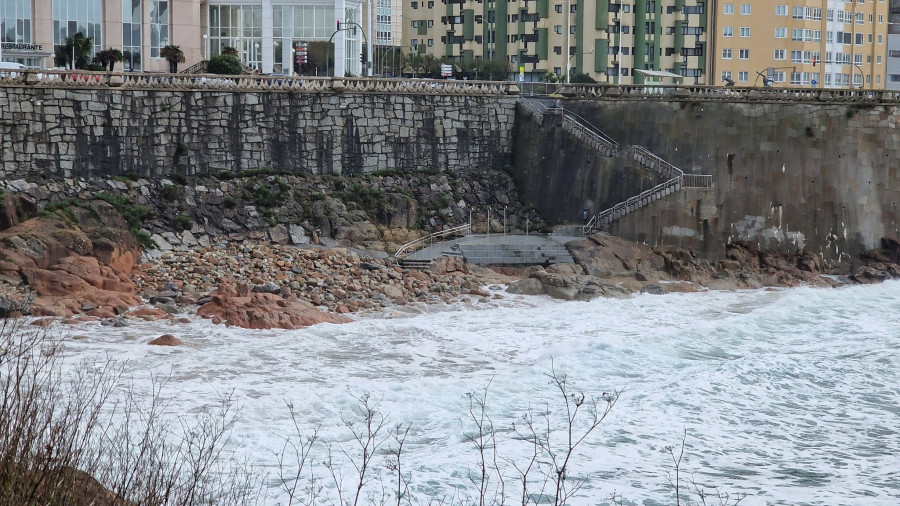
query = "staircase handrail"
x=670 y=171
x=404 y=251
x=587 y=126
x=628 y=204
x=197 y=68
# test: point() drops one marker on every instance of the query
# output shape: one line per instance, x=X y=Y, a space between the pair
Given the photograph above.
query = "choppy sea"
x=788 y=396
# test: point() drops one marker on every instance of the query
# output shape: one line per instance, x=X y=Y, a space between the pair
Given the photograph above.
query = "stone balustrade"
x=308 y=84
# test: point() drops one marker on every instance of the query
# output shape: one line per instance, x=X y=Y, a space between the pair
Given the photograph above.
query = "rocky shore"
x=79 y=261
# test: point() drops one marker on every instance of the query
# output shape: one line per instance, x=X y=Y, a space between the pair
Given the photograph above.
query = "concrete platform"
x=500 y=249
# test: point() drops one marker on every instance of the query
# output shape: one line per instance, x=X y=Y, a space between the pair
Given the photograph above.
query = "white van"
x=8 y=68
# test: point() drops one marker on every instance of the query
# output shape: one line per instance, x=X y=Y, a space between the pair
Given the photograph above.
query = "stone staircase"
x=549 y=252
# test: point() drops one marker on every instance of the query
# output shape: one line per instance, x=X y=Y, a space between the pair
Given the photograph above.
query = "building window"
x=745 y=31
x=415 y=5
x=430 y=42
x=558 y=8
x=727 y=31
x=781 y=33
x=743 y=76
x=15 y=16
x=159 y=26
x=745 y=9
x=878 y=59
x=70 y=18
x=726 y=74
x=779 y=54
x=744 y=54
x=726 y=54
x=728 y=9
x=430 y=23
x=131 y=33
x=557 y=49
x=557 y=29
x=781 y=10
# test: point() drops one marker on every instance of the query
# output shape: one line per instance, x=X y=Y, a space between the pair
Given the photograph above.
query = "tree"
x=583 y=78
x=225 y=64
x=174 y=55
x=496 y=70
x=75 y=53
x=108 y=58
x=228 y=50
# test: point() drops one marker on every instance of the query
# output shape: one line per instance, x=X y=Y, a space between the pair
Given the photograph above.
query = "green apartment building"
x=613 y=42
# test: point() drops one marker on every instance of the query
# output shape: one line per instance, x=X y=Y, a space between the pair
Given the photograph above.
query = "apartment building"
x=609 y=40
x=826 y=43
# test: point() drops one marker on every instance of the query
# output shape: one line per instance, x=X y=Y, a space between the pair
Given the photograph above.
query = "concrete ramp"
x=498 y=249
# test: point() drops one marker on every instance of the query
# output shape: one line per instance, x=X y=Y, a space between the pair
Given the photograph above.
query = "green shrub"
x=169 y=193
x=224 y=64
x=183 y=221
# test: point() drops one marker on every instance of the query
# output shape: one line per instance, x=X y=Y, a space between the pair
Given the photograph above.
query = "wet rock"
x=166 y=340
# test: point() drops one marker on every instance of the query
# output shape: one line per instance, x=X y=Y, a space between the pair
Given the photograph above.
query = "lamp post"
x=861 y=77
x=205 y=46
x=256 y=55
x=569 y=65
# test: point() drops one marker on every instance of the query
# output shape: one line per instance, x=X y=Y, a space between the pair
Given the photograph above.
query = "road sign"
x=521 y=74
x=446 y=70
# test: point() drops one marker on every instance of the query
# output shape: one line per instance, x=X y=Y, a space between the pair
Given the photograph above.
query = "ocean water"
x=788 y=396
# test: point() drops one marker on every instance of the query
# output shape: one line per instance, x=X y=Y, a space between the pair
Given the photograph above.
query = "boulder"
x=235 y=304
x=166 y=340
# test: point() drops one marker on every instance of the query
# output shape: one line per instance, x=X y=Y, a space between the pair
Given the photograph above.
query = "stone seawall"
x=52 y=133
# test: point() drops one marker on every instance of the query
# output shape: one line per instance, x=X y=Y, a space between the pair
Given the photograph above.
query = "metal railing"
x=585 y=127
x=676 y=178
x=412 y=246
x=605 y=217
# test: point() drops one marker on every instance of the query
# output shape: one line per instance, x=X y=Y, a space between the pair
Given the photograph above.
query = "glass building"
x=265 y=33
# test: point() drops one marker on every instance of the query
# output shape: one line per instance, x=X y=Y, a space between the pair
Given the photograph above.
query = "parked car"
x=8 y=69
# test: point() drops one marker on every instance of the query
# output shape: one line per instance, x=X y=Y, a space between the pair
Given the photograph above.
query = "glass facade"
x=383 y=36
x=73 y=16
x=237 y=26
x=159 y=26
x=298 y=23
x=131 y=33
x=15 y=21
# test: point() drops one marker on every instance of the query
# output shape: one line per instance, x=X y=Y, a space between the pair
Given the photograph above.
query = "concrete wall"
x=562 y=175
x=823 y=178
x=74 y=133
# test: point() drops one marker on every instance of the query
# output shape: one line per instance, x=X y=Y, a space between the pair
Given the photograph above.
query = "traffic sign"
x=446 y=70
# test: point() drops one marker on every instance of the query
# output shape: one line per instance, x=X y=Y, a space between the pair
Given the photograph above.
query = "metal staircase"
x=676 y=179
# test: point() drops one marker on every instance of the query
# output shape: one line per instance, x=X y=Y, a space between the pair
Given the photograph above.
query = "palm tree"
x=109 y=57
x=75 y=53
x=174 y=55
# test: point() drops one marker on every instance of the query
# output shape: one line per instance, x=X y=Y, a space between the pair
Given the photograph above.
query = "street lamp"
x=205 y=46
x=861 y=78
x=256 y=55
x=569 y=65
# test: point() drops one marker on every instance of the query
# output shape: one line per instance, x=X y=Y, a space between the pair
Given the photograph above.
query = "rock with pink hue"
x=166 y=340
x=236 y=305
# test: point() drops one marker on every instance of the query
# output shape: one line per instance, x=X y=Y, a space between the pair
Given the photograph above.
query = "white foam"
x=787 y=395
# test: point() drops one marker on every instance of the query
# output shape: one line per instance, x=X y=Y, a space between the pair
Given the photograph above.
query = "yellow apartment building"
x=830 y=44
